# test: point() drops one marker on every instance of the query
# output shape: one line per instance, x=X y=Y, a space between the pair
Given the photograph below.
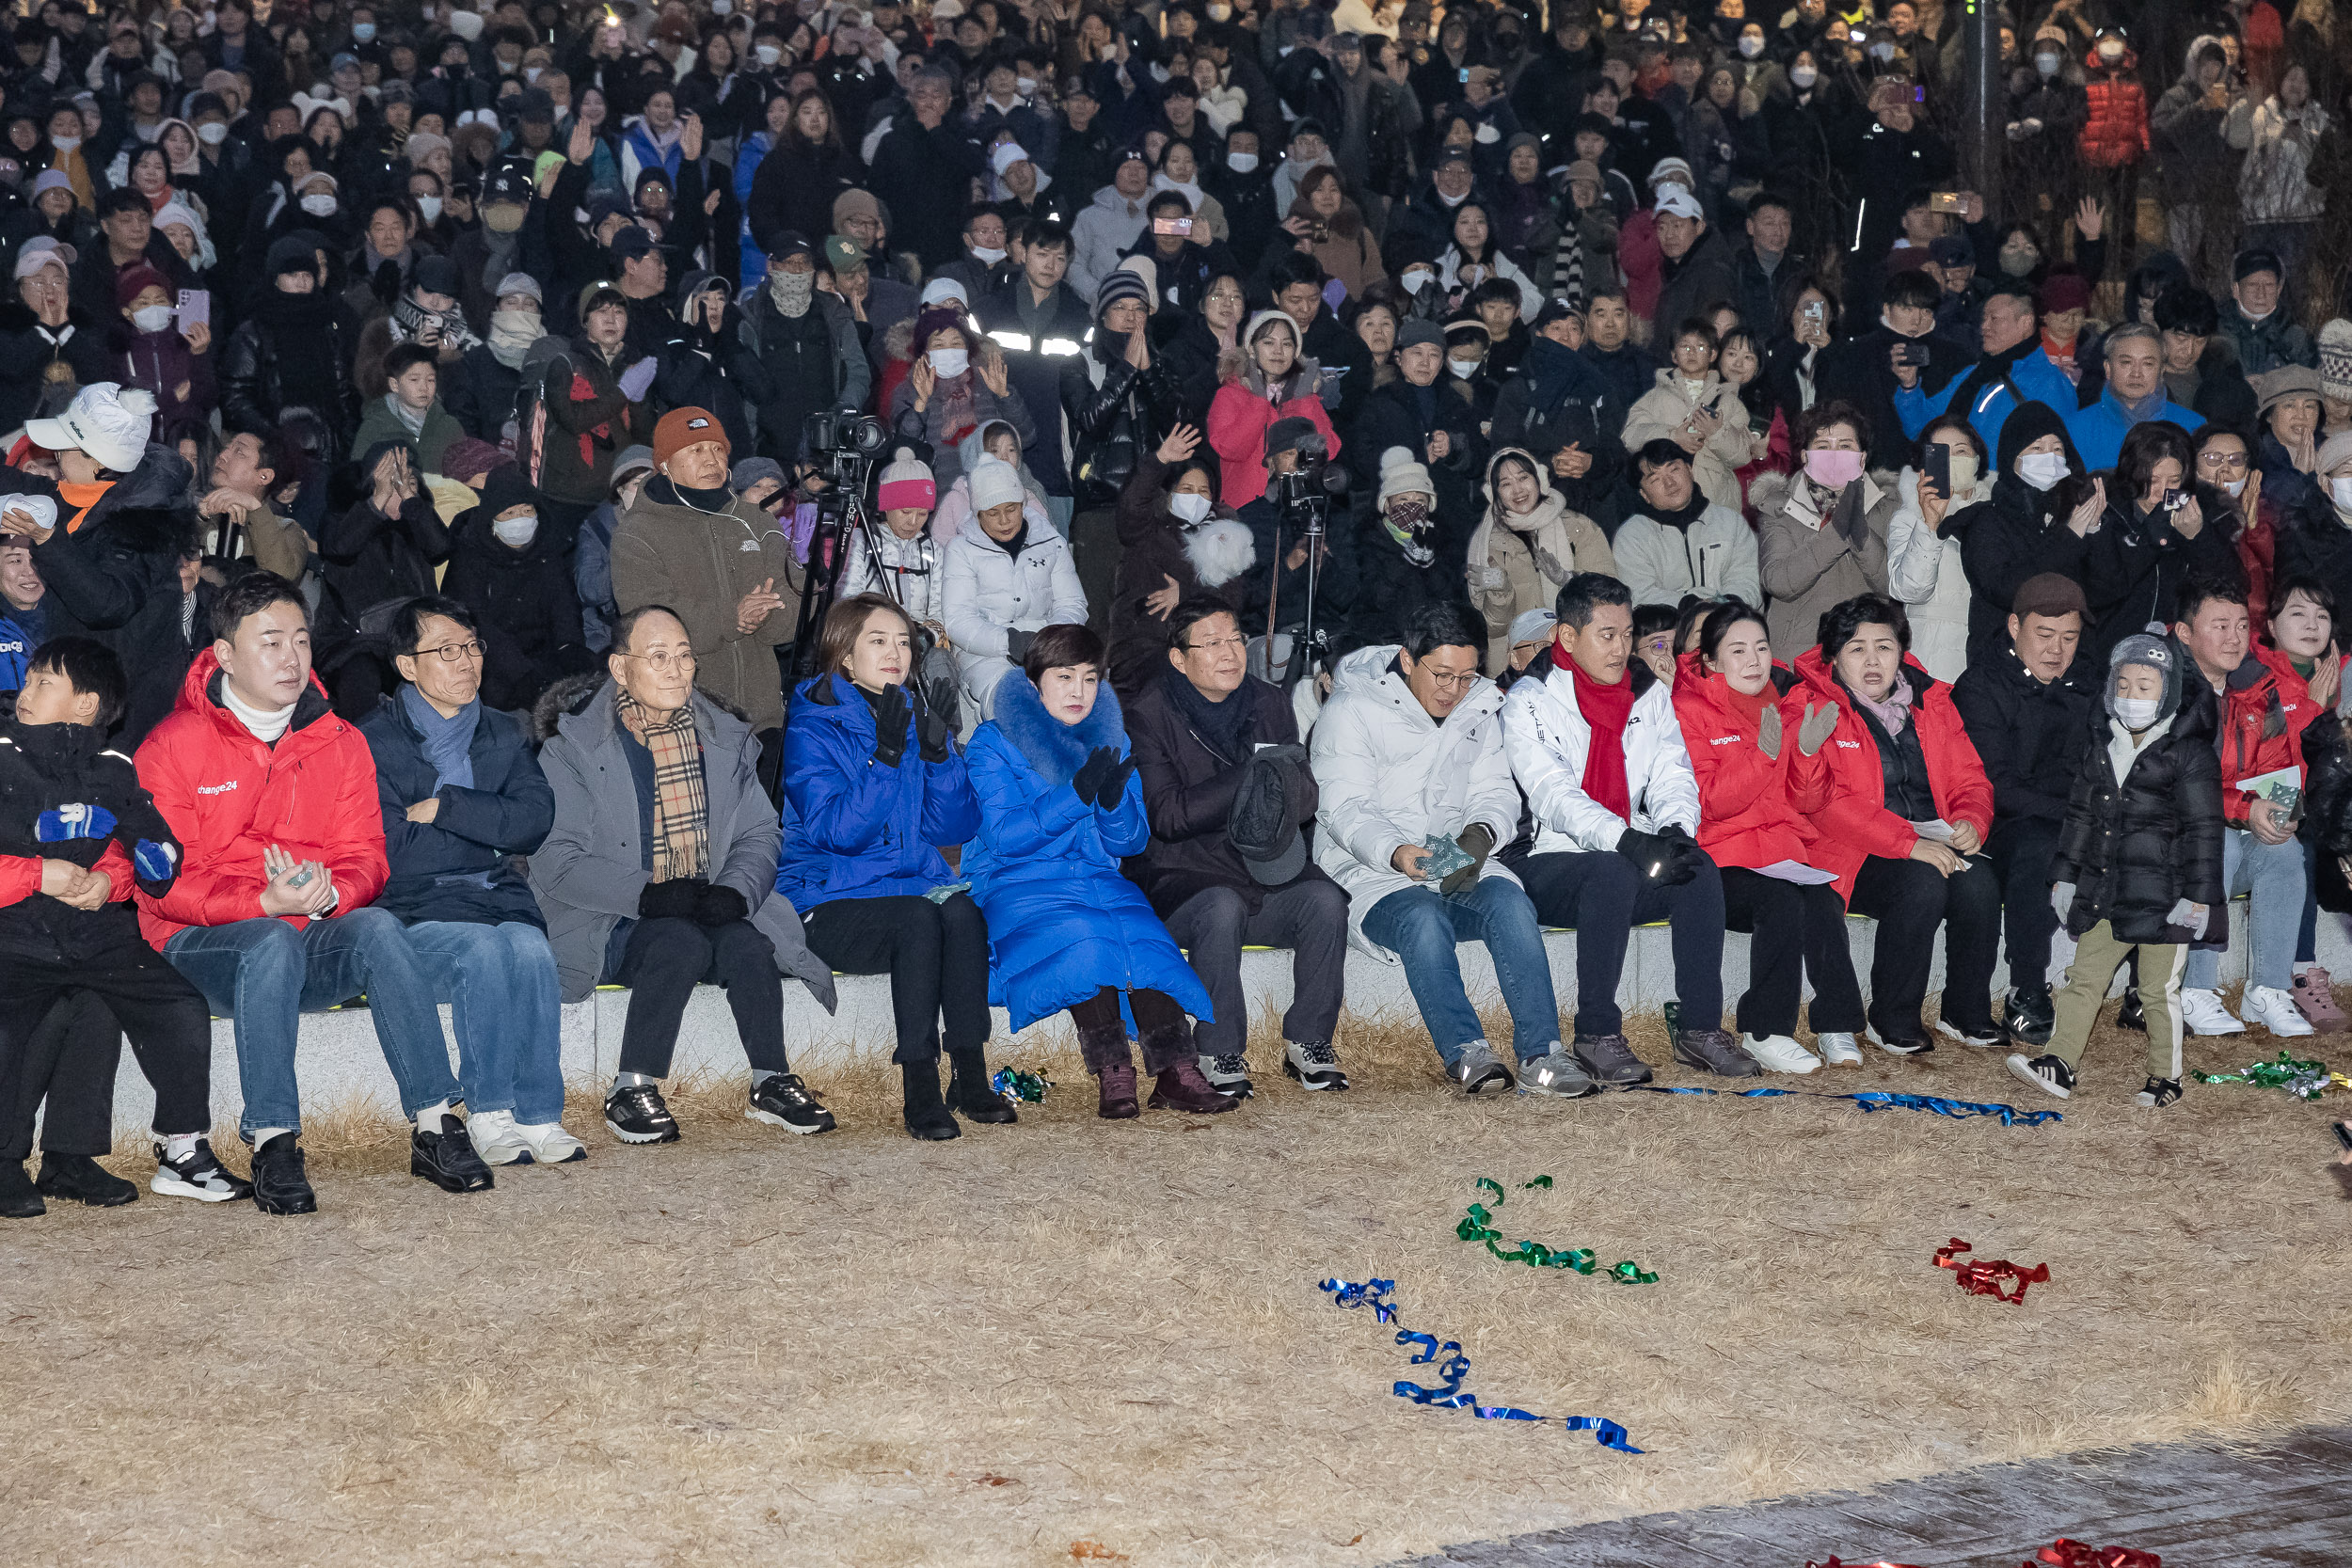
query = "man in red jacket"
x=274 y=799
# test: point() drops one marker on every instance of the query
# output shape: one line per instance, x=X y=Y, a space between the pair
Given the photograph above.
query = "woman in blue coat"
x=873 y=785
x=1059 y=805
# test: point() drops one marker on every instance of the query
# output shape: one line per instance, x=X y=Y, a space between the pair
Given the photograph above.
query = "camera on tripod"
x=1304 y=494
x=844 y=443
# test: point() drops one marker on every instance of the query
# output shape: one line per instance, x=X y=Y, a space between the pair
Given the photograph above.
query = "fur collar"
x=1054 y=749
x=1220 y=550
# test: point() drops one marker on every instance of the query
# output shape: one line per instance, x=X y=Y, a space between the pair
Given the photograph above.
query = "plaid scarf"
x=681 y=812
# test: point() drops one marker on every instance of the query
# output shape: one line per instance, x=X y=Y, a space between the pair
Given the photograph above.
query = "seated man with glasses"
x=1229 y=797
x=464 y=801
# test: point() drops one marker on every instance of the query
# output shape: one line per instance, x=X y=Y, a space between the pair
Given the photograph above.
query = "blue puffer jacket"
x=853 y=830
x=1062 y=921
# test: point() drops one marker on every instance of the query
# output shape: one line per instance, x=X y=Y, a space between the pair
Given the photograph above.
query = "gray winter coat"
x=591 y=870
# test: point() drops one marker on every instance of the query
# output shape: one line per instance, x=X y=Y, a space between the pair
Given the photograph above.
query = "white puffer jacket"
x=908 y=569
x=1923 y=570
x=1390 y=775
x=1547 y=739
x=986 y=592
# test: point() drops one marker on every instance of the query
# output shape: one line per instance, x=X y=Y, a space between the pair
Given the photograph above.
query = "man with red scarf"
x=1597 y=750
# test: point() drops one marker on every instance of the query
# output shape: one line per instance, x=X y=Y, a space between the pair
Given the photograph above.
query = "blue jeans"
x=2273 y=874
x=499 y=981
x=1423 y=927
x=264 y=975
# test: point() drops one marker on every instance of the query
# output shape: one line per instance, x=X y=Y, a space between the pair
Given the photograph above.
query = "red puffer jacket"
x=2117 y=132
x=1753 y=808
x=1854 y=823
x=2264 y=712
x=229 y=797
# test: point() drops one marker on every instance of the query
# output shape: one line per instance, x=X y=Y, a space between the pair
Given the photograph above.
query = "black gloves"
x=1478 y=842
x=1102 y=780
x=932 y=733
x=676 y=899
x=891 y=712
x=720 y=906
x=1663 y=859
x=1017 y=644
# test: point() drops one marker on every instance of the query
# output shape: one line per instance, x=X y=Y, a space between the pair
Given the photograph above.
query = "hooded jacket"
x=1665 y=409
x=122 y=556
x=65 y=796
x=2117 y=132
x=1517 y=561
x=524 y=598
x=986 y=592
x=1102 y=235
x=1242 y=413
x=1211 y=560
x=467 y=864
x=701 y=563
x=2265 y=712
x=1755 y=810
x=1923 y=570
x=1118 y=414
x=853 y=828
x=2135 y=563
x=1557 y=398
x=2019 y=533
x=228 y=796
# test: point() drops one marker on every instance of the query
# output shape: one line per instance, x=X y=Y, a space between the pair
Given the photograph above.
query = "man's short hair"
x=2199 y=589
x=1655 y=456
x=124 y=198
x=406 y=358
x=1840 y=622
x=2017 y=294
x=1059 y=646
x=1772 y=198
x=1169 y=201
x=1587 y=592
x=2124 y=332
x=2186 y=307
x=250 y=595
x=1701 y=328
x=1915 y=290
x=1607 y=291
x=1444 y=624
x=409 y=620
x=90 y=668
x=1190 y=614
x=978 y=211
x=1293 y=268
x=624 y=625
x=1051 y=233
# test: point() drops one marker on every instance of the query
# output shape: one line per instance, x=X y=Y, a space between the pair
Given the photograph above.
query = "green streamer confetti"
x=1477 y=1224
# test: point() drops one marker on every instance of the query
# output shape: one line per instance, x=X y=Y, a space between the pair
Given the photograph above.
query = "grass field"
x=1072 y=1341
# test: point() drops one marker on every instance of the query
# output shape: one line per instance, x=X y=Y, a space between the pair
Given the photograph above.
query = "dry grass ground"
x=1070 y=1336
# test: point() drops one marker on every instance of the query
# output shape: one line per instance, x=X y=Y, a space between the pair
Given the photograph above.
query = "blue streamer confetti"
x=1380 y=1294
x=1879 y=1100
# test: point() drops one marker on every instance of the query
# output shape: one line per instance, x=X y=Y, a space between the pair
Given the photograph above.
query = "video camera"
x=844 y=443
x=1305 y=493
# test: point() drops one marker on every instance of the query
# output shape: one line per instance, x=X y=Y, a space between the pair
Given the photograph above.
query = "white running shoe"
x=496 y=1138
x=1779 y=1053
x=1840 y=1050
x=2201 y=1013
x=2276 y=1011
x=547 y=1141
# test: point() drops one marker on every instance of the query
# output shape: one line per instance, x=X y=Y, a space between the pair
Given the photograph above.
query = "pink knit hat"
x=907 y=483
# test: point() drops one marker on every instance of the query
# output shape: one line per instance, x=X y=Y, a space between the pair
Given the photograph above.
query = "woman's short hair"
x=845 y=620
x=1821 y=416
x=2146 y=445
x=1841 y=621
x=1060 y=646
x=1942 y=428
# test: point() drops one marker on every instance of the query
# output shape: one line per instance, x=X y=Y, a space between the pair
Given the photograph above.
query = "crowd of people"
x=1373 y=475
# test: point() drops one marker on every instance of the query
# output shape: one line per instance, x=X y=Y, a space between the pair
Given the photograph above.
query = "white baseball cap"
x=107 y=421
x=1005 y=155
x=1681 y=204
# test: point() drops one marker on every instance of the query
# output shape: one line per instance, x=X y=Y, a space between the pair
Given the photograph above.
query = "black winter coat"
x=528 y=607
x=42 y=768
x=32 y=359
x=1118 y=423
x=1392 y=417
x=1559 y=397
x=486 y=829
x=2135 y=849
x=374 y=562
x=1152 y=552
x=253 y=385
x=2029 y=734
x=2133 y=567
x=2002 y=543
x=482 y=394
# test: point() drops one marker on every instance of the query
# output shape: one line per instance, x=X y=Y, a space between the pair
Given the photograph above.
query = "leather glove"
x=1017 y=644
x=676 y=899
x=931 y=733
x=1767 y=732
x=891 y=713
x=1814 y=733
x=1478 y=842
x=1093 y=772
x=720 y=906
x=2062 y=898
x=1661 y=862
x=1114 y=786
x=1851 y=522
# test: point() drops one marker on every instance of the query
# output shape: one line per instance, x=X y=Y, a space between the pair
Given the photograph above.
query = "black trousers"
x=663 y=963
x=1309 y=917
x=2021 y=850
x=1910 y=899
x=1094 y=547
x=61 y=1028
x=936 y=955
x=1103 y=1034
x=1604 y=898
x=1794 y=931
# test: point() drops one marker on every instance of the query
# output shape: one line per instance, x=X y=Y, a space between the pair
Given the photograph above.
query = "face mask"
x=793 y=291
x=1417 y=281
x=1160 y=72
x=983 y=254
x=1024 y=86
x=2017 y=263
x=1465 y=368
x=1964 y=470
x=2136 y=713
x=721 y=7
x=363 y=32
x=1802 y=75
x=2043 y=469
x=1220 y=13
x=2235 y=488
x=318 y=206
x=1190 y=509
x=211 y=133
x=2110 y=52
x=768 y=54
x=950 y=362
x=1241 y=162
x=517 y=531
x=1832 y=470
x=1486 y=134
x=1882 y=52
x=154 y=318
x=431 y=207
x=1751 y=48
x=2342 y=489
x=64 y=143
x=2047 y=64
x=532 y=74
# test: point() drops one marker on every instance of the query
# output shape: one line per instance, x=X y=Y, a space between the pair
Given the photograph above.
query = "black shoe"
x=638 y=1115
x=18 y=1198
x=1610 y=1061
x=197 y=1175
x=1898 y=1045
x=781 y=1099
x=2030 y=1017
x=969 y=1093
x=2156 y=1094
x=2129 y=1015
x=927 y=1117
x=84 y=1181
x=280 y=1187
x=2046 y=1072
x=447 y=1159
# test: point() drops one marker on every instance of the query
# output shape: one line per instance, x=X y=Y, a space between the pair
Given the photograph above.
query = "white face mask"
x=1187 y=508
x=1465 y=368
x=363 y=32
x=152 y=318
x=1417 y=280
x=2341 y=488
x=516 y=533
x=1882 y=52
x=984 y=254
x=532 y=73
x=1804 y=76
x=1241 y=162
x=768 y=54
x=2235 y=488
x=431 y=207
x=950 y=362
x=721 y=7
x=318 y=206
x=2136 y=713
x=1024 y=86
x=2047 y=64
x=2043 y=469
x=64 y=143
x=1220 y=13
x=1751 y=48
x=211 y=133
x=1486 y=134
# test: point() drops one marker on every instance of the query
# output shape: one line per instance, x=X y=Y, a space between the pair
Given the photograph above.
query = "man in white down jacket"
x=1005 y=576
x=1410 y=748
x=1678 y=542
x=1599 y=751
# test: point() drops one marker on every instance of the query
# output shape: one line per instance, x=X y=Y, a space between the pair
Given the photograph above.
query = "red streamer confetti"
x=1983 y=1278
x=2063 y=1553
x=1836 y=1562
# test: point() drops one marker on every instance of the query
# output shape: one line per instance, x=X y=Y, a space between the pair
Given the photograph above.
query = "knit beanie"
x=1119 y=285
x=2333 y=453
x=2335 y=360
x=1402 y=475
x=907 y=483
x=995 y=483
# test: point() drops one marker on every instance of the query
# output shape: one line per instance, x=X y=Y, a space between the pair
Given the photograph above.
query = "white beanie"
x=1402 y=475
x=994 y=482
x=106 y=421
x=940 y=289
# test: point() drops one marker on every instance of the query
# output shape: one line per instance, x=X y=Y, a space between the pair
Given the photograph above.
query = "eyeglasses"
x=1224 y=296
x=664 y=661
x=452 y=652
x=1453 y=682
x=2221 y=460
x=1219 y=643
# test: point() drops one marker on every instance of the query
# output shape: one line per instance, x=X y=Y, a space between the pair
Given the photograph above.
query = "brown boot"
x=1103 y=1048
x=1181 y=1088
x=1118 y=1093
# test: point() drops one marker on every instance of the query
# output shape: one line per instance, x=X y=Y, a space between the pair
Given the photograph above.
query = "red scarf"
x=1606 y=709
x=1750 y=710
x=585 y=390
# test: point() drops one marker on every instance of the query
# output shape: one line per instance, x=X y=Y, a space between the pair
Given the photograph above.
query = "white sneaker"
x=1840 y=1050
x=495 y=1139
x=2201 y=1013
x=1779 y=1053
x=2276 y=1011
x=547 y=1143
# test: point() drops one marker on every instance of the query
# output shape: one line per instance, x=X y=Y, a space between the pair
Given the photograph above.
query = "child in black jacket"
x=76 y=830
x=2139 y=864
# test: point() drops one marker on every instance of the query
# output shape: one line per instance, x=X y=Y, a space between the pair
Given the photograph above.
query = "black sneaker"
x=83 y=1179
x=1610 y=1061
x=1980 y=1036
x=17 y=1199
x=279 y=1186
x=2030 y=1017
x=197 y=1174
x=1315 y=1066
x=1715 y=1051
x=2046 y=1073
x=638 y=1115
x=781 y=1099
x=1900 y=1045
x=447 y=1159
x=2156 y=1094
x=2130 y=1016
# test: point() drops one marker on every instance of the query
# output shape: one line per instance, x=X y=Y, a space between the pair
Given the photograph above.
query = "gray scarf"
x=793 y=292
